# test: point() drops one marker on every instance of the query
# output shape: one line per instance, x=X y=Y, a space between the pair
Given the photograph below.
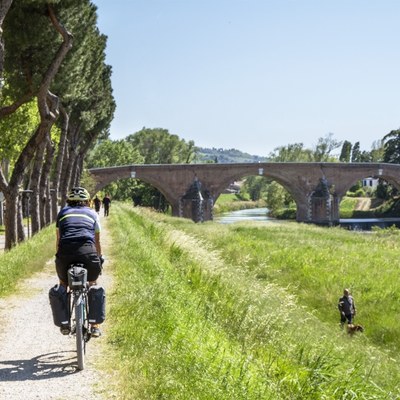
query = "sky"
x=254 y=75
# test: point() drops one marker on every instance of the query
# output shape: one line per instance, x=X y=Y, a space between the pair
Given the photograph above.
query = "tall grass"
x=26 y=258
x=219 y=312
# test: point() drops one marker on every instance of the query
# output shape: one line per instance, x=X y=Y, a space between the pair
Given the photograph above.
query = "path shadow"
x=45 y=366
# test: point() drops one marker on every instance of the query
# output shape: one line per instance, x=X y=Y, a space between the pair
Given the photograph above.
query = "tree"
x=345 y=154
x=158 y=146
x=392 y=147
x=255 y=186
x=118 y=152
x=291 y=153
x=323 y=149
x=356 y=153
x=377 y=151
x=276 y=198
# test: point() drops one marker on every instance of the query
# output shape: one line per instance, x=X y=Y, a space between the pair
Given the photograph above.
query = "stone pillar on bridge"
x=196 y=204
x=324 y=205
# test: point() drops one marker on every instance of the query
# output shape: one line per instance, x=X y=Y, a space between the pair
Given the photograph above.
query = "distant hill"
x=224 y=156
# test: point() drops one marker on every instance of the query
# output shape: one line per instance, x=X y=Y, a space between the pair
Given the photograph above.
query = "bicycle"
x=78 y=309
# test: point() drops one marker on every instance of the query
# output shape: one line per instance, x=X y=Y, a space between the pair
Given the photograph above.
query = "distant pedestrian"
x=97 y=204
x=347 y=308
x=106 y=205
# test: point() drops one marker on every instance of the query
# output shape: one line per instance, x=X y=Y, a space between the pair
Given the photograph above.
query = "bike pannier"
x=77 y=277
x=97 y=304
x=59 y=304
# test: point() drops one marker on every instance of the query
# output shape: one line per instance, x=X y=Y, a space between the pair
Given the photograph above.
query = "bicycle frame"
x=78 y=311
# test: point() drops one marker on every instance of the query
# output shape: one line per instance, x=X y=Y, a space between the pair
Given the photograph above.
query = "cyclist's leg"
x=62 y=264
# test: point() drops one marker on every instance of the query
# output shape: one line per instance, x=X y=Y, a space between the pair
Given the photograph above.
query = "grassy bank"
x=25 y=259
x=209 y=311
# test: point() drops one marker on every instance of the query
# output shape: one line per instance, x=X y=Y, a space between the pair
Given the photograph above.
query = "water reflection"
x=254 y=214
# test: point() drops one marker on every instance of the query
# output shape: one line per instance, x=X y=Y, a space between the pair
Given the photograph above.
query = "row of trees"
x=56 y=102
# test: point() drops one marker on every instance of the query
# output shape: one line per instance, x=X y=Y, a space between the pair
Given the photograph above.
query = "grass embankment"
x=25 y=259
x=213 y=311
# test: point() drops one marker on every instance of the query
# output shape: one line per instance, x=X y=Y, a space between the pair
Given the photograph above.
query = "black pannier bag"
x=59 y=305
x=97 y=304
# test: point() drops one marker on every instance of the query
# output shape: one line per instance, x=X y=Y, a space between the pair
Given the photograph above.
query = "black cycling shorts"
x=77 y=253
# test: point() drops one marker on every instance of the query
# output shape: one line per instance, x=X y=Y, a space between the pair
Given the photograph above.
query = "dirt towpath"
x=36 y=361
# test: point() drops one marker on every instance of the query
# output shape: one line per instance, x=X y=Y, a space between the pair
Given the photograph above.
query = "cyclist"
x=78 y=241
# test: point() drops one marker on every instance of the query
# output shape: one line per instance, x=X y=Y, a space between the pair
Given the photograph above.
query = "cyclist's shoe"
x=65 y=329
x=95 y=330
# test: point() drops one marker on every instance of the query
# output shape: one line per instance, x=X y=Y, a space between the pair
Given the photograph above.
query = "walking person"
x=97 y=204
x=347 y=308
x=106 y=204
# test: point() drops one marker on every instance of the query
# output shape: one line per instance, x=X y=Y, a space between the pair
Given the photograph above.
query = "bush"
x=285 y=213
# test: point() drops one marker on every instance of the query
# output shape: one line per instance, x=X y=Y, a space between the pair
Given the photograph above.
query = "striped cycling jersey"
x=77 y=224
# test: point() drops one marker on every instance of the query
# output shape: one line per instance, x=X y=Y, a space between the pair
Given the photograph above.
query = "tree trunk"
x=10 y=218
x=75 y=172
x=36 y=200
x=20 y=220
x=56 y=181
x=67 y=180
x=44 y=187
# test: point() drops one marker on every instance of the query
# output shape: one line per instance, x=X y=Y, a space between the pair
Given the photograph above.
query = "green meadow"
x=243 y=311
x=209 y=311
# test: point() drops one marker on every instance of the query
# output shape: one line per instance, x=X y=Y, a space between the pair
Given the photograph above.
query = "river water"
x=260 y=214
x=253 y=214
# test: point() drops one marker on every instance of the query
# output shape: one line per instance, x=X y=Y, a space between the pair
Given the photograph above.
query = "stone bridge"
x=193 y=189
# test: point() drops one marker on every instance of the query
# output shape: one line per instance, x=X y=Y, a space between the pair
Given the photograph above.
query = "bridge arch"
x=287 y=184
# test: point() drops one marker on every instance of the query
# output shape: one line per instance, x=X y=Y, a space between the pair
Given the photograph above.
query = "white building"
x=370 y=182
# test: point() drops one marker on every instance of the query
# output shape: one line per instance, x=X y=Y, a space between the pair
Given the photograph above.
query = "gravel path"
x=36 y=361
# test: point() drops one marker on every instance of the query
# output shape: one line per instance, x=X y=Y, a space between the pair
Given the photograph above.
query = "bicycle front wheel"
x=80 y=339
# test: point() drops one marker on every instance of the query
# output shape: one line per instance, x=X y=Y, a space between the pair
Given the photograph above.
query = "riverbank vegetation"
x=208 y=311
x=234 y=202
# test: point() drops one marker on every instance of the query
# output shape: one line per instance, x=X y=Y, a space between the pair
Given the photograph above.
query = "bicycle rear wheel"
x=80 y=339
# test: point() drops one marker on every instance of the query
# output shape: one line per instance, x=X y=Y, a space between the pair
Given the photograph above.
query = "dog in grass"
x=353 y=328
